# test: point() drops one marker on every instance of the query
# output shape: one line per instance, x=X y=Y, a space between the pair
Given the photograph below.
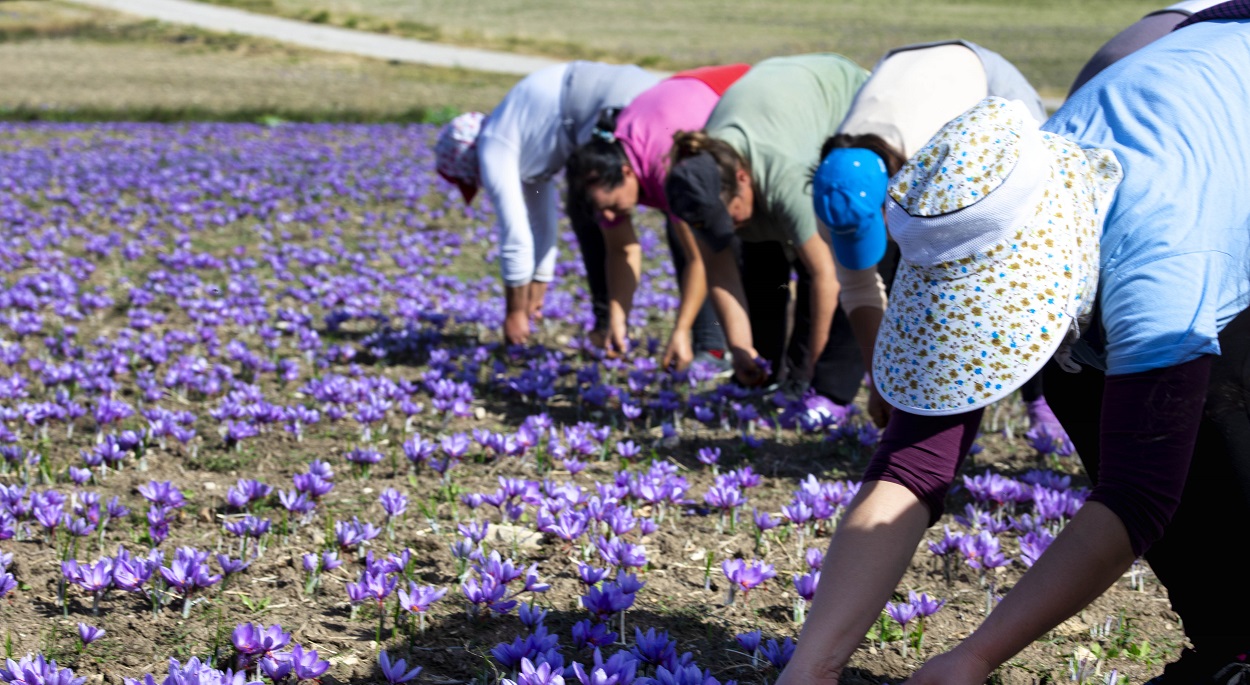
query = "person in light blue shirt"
x=1176 y=242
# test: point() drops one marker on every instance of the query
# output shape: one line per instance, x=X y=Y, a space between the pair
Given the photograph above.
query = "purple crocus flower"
x=806 y=584
x=89 y=634
x=542 y=674
x=394 y=671
x=778 y=653
x=747 y=576
x=306 y=665
x=749 y=642
x=925 y=605
x=590 y=634
x=902 y=613
x=417 y=599
x=394 y=502
x=252 y=641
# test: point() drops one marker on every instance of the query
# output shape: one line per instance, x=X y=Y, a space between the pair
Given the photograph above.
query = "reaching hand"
x=955 y=667
x=746 y=370
x=679 y=352
x=516 y=328
x=599 y=341
x=617 y=339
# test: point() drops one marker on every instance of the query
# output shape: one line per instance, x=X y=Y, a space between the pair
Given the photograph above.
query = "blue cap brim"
x=860 y=247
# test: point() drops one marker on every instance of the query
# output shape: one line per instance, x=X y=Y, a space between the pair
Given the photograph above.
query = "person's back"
x=1143 y=32
x=1181 y=210
x=776 y=117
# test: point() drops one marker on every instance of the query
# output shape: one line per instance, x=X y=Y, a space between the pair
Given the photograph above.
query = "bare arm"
x=818 y=260
x=693 y=293
x=724 y=285
x=870 y=550
x=624 y=267
x=1087 y=557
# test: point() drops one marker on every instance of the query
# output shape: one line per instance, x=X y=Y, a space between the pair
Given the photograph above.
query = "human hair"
x=597 y=163
x=687 y=144
x=892 y=156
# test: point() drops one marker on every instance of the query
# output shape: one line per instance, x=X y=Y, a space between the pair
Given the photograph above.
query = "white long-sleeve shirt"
x=527 y=139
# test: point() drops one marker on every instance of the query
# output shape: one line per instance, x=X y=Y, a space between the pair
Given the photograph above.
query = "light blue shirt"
x=1176 y=242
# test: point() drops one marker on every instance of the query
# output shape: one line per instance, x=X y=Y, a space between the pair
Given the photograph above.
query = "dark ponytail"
x=892 y=156
x=597 y=163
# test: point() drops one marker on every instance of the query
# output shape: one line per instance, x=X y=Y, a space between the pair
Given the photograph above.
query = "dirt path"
x=328 y=38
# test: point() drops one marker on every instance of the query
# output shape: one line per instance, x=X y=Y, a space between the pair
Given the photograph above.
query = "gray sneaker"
x=720 y=364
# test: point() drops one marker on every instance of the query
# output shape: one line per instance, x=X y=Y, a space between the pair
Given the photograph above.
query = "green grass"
x=59 y=62
x=1048 y=39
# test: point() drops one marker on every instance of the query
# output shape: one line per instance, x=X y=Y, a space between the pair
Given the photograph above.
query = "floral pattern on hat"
x=455 y=153
x=956 y=170
x=962 y=334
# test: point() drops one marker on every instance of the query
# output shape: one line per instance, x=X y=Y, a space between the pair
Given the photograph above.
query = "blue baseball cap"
x=848 y=192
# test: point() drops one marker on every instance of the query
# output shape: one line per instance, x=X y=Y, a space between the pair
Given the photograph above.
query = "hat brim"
x=717 y=228
x=860 y=247
x=960 y=335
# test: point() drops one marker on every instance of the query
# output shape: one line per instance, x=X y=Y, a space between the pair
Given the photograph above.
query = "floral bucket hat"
x=998 y=225
x=455 y=153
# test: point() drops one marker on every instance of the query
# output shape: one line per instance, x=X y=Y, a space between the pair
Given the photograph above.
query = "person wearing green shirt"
x=744 y=182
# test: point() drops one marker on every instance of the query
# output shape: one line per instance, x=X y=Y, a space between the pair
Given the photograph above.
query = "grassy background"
x=1048 y=39
x=61 y=61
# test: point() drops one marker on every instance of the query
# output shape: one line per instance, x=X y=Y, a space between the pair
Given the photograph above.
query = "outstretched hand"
x=679 y=352
x=956 y=667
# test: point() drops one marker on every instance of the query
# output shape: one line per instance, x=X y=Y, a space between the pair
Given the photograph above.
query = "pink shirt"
x=645 y=130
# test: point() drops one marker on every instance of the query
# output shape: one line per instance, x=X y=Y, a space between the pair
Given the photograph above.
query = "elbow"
x=1145 y=513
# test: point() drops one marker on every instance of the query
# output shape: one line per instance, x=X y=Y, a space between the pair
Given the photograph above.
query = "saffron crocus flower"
x=187 y=573
x=925 y=605
x=652 y=648
x=89 y=634
x=306 y=665
x=778 y=653
x=531 y=616
x=394 y=503
x=542 y=674
x=763 y=520
x=749 y=642
x=806 y=584
x=417 y=600
x=606 y=602
x=35 y=669
x=252 y=641
x=621 y=554
x=902 y=613
x=588 y=634
x=394 y=671
x=747 y=576
x=1032 y=545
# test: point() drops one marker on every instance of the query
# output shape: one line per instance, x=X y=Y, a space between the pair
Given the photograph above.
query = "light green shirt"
x=777 y=116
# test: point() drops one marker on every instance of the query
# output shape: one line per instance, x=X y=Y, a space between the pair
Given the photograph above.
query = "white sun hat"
x=998 y=225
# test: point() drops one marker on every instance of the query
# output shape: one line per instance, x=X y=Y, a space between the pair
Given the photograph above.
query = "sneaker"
x=1191 y=669
x=715 y=360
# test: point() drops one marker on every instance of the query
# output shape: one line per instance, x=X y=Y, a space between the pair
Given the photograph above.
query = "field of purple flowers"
x=256 y=426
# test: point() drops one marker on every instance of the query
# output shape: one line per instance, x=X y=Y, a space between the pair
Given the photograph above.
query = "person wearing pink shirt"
x=625 y=165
